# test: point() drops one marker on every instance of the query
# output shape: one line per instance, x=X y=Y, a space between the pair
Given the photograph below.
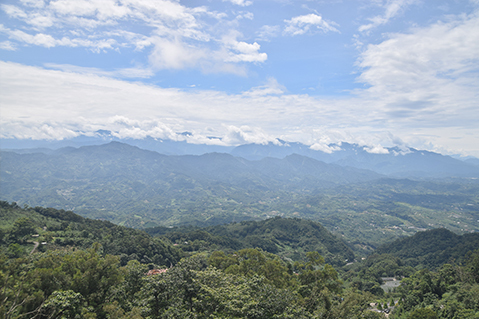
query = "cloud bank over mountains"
x=414 y=83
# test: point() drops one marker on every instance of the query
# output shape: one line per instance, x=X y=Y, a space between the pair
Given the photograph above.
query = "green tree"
x=354 y=305
x=249 y=262
x=422 y=313
x=115 y=311
x=15 y=250
x=319 y=282
x=128 y=291
x=63 y=304
x=22 y=227
x=83 y=271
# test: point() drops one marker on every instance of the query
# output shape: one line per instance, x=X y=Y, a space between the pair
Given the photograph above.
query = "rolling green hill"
x=95 y=269
x=431 y=248
x=286 y=237
x=60 y=228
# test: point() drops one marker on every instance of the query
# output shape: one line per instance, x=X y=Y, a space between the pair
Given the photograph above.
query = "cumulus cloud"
x=124 y=127
x=174 y=54
x=246 y=135
x=239 y=51
x=310 y=22
x=376 y=149
x=180 y=36
x=40 y=131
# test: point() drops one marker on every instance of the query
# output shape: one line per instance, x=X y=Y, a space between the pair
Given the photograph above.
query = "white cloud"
x=421 y=85
x=391 y=9
x=319 y=146
x=267 y=32
x=239 y=51
x=85 y=102
x=39 y=39
x=14 y=11
x=138 y=72
x=100 y=10
x=47 y=41
x=242 y=3
x=376 y=149
x=174 y=54
x=245 y=15
x=429 y=75
x=123 y=127
x=302 y=24
x=272 y=87
x=49 y=130
x=8 y=46
x=246 y=135
x=179 y=53
x=180 y=36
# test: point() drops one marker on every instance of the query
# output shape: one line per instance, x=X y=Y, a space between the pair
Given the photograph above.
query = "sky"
x=379 y=73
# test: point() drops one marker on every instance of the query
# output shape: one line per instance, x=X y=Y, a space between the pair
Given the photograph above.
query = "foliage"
x=431 y=248
x=60 y=228
x=451 y=292
x=289 y=238
x=102 y=281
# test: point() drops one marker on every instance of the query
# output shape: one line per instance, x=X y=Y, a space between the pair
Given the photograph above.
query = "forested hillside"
x=288 y=238
x=432 y=248
x=60 y=228
x=56 y=264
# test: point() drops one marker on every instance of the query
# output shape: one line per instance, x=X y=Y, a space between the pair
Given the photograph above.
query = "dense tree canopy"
x=94 y=269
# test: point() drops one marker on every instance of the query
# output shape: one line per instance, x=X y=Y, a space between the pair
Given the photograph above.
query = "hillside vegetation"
x=288 y=238
x=64 y=278
x=432 y=248
x=60 y=228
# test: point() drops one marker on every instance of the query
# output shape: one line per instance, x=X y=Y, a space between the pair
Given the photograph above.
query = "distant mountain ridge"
x=139 y=188
x=120 y=177
x=92 y=161
x=394 y=161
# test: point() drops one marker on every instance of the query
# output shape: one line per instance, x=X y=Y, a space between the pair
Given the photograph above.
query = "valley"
x=139 y=188
x=115 y=231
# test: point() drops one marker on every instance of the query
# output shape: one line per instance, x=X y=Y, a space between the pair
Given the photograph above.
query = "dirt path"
x=36 y=243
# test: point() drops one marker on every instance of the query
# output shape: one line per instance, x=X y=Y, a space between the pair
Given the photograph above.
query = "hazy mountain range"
x=402 y=162
x=349 y=187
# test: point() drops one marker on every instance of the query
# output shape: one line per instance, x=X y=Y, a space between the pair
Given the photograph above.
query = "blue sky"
x=377 y=72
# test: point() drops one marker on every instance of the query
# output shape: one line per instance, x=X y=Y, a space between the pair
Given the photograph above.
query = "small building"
x=156 y=271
